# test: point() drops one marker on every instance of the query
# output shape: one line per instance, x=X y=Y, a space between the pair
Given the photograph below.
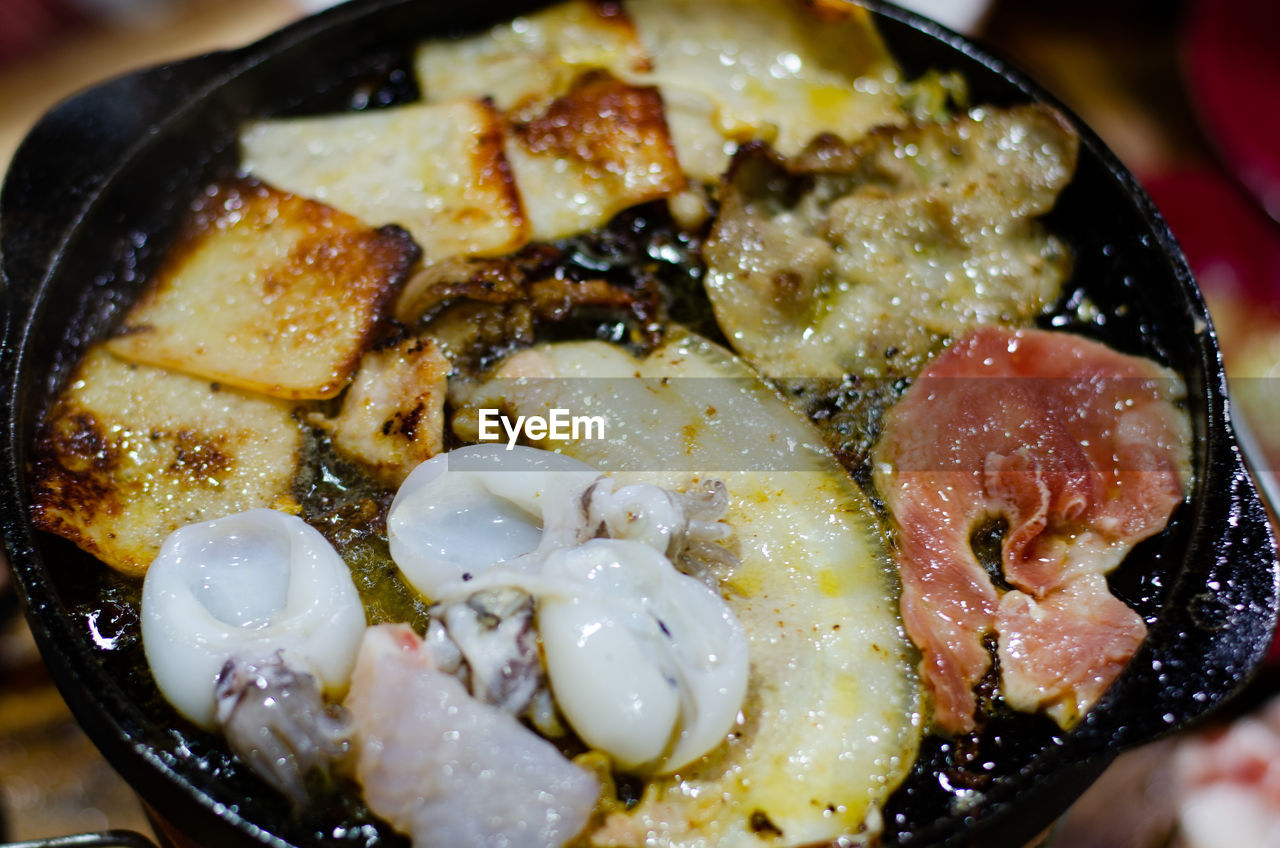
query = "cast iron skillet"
x=93 y=194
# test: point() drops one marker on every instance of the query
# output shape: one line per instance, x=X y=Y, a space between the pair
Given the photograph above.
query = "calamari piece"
x=600 y=148
x=831 y=718
x=784 y=70
x=866 y=259
x=270 y=292
x=1084 y=452
x=275 y=719
x=445 y=768
x=464 y=511
x=488 y=640
x=435 y=169
x=687 y=527
x=534 y=58
x=392 y=417
x=247 y=587
x=647 y=664
x=130 y=453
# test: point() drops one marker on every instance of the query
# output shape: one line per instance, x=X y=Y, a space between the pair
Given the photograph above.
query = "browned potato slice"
x=131 y=453
x=533 y=58
x=269 y=292
x=392 y=417
x=600 y=148
x=435 y=169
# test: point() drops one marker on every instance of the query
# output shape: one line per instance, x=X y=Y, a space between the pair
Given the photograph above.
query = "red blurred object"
x=27 y=25
x=1233 y=69
x=1232 y=246
x=1234 y=250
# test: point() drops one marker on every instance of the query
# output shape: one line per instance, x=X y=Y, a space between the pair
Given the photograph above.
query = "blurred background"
x=1186 y=93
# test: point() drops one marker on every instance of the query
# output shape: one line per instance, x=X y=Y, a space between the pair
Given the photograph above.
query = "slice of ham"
x=447 y=769
x=1084 y=452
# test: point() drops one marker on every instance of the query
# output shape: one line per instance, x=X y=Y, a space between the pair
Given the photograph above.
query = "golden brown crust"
x=392 y=417
x=130 y=453
x=603 y=123
x=268 y=291
x=600 y=148
x=493 y=173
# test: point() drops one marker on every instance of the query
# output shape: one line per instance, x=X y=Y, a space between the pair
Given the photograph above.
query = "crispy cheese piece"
x=781 y=70
x=597 y=150
x=533 y=58
x=435 y=169
x=392 y=417
x=866 y=258
x=130 y=453
x=269 y=292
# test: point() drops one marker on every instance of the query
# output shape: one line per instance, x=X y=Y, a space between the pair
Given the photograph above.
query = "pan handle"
x=69 y=153
x=1225 y=620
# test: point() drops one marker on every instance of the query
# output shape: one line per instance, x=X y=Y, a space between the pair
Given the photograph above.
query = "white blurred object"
x=963 y=16
x=1227 y=784
x=310 y=6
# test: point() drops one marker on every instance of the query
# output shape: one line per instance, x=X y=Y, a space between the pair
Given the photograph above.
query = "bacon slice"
x=1084 y=452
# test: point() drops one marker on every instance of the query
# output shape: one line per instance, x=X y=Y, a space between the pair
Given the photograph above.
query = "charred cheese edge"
x=779 y=70
x=600 y=148
x=130 y=453
x=534 y=58
x=269 y=292
x=392 y=416
x=438 y=170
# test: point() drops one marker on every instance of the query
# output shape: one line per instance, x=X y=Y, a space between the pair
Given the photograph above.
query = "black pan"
x=91 y=199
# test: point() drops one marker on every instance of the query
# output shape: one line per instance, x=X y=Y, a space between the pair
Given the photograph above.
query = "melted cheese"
x=831 y=720
x=271 y=292
x=780 y=70
x=533 y=58
x=131 y=453
x=437 y=170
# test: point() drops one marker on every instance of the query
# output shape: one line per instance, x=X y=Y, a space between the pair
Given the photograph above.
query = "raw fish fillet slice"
x=449 y=770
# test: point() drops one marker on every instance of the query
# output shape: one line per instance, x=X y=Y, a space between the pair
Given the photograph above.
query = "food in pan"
x=1083 y=453
x=702 y=617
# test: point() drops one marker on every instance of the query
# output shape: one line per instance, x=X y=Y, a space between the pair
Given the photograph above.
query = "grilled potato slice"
x=269 y=292
x=781 y=70
x=130 y=453
x=600 y=148
x=437 y=170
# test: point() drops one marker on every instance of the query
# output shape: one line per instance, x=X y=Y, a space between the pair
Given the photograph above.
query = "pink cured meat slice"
x=1084 y=451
